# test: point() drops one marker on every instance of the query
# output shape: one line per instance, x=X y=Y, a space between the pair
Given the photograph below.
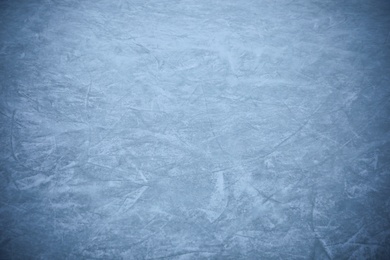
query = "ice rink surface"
x=188 y=129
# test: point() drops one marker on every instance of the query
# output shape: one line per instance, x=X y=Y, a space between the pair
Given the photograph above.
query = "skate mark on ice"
x=125 y=172
x=303 y=125
x=12 y=137
x=267 y=197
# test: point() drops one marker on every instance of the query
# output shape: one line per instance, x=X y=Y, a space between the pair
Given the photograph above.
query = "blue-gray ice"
x=194 y=129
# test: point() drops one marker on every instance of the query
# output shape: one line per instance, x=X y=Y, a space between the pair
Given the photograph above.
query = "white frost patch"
x=218 y=200
x=33 y=181
x=121 y=205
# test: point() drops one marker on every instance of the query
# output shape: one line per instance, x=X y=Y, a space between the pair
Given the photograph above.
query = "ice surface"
x=185 y=129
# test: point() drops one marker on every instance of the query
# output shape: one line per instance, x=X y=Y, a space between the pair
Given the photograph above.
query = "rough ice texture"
x=188 y=129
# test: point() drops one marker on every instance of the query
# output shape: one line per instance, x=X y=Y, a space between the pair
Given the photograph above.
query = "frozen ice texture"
x=186 y=129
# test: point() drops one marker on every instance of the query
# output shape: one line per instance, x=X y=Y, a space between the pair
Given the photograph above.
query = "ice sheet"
x=182 y=129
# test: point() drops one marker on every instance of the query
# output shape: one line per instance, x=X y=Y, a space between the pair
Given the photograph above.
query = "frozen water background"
x=187 y=129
